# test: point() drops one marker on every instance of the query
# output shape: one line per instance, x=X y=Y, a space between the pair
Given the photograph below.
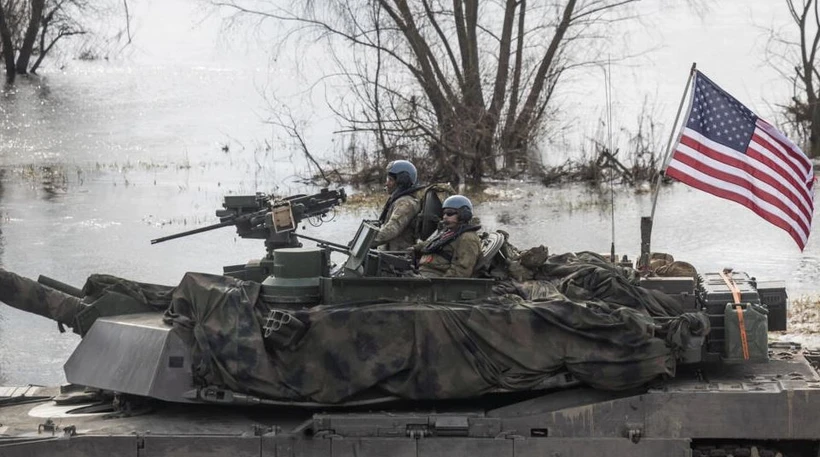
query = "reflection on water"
x=53 y=181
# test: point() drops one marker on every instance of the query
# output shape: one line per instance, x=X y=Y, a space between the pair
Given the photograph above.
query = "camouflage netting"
x=578 y=313
x=587 y=317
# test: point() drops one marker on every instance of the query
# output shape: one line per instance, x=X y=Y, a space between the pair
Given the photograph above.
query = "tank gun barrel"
x=60 y=286
x=37 y=298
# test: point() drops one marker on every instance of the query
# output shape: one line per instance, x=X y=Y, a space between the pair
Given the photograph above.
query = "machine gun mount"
x=263 y=216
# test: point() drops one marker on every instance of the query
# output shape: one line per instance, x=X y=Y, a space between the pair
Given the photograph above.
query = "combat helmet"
x=403 y=172
x=460 y=203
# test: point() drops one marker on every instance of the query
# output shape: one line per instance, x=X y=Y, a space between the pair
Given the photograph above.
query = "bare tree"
x=6 y=45
x=59 y=21
x=31 y=28
x=27 y=46
x=472 y=82
x=794 y=56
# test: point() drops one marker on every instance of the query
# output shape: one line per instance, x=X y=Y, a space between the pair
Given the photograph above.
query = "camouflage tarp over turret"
x=441 y=350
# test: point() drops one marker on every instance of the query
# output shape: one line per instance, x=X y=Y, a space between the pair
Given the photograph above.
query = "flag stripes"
x=725 y=150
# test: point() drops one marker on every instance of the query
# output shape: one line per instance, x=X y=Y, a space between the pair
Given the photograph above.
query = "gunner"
x=396 y=232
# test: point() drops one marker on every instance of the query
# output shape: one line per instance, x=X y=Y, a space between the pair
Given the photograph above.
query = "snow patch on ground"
x=804 y=323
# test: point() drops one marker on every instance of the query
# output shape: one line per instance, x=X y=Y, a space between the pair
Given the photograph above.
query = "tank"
x=298 y=354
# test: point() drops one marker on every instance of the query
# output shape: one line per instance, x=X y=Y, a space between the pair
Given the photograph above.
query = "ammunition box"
x=773 y=297
x=241 y=201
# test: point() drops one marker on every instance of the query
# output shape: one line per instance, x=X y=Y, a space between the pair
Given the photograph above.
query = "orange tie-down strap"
x=744 y=341
x=731 y=284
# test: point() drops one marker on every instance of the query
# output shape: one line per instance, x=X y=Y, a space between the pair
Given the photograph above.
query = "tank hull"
x=772 y=405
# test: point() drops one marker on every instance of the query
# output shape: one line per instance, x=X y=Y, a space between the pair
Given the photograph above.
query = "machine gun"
x=272 y=219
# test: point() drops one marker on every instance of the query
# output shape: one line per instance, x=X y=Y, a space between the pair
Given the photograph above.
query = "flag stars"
x=719 y=117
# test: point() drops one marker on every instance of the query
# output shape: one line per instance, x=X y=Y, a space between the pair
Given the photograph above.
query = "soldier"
x=396 y=232
x=454 y=250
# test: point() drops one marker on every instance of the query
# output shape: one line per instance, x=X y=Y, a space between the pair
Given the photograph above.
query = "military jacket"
x=456 y=259
x=397 y=233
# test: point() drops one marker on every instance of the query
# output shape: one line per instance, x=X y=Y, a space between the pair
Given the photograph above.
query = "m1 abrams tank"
x=291 y=356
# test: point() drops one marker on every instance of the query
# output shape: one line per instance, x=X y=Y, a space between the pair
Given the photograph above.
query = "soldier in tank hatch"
x=455 y=249
x=396 y=232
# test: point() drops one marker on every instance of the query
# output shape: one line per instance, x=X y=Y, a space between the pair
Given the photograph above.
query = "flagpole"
x=646 y=222
x=668 y=155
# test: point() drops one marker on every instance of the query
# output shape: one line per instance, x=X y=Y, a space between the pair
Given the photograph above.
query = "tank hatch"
x=295 y=278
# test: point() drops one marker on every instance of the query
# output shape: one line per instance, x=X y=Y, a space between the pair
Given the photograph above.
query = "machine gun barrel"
x=194 y=231
x=262 y=216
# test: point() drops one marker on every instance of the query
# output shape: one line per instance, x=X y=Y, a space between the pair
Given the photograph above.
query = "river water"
x=100 y=157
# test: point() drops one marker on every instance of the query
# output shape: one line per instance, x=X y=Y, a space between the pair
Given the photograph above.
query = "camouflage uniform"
x=456 y=259
x=397 y=234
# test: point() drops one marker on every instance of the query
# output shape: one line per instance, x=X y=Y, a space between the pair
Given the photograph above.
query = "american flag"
x=726 y=150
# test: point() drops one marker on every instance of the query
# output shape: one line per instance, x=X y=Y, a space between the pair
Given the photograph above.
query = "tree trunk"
x=31 y=36
x=515 y=139
x=8 y=48
x=507 y=148
x=814 y=135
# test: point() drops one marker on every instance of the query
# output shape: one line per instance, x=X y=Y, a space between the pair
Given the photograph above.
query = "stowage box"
x=716 y=295
x=717 y=292
x=681 y=289
x=773 y=297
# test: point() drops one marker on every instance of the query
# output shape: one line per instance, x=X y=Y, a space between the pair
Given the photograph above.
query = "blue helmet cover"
x=462 y=204
x=397 y=167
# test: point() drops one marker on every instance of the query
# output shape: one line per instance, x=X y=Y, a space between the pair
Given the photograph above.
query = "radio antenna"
x=608 y=91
